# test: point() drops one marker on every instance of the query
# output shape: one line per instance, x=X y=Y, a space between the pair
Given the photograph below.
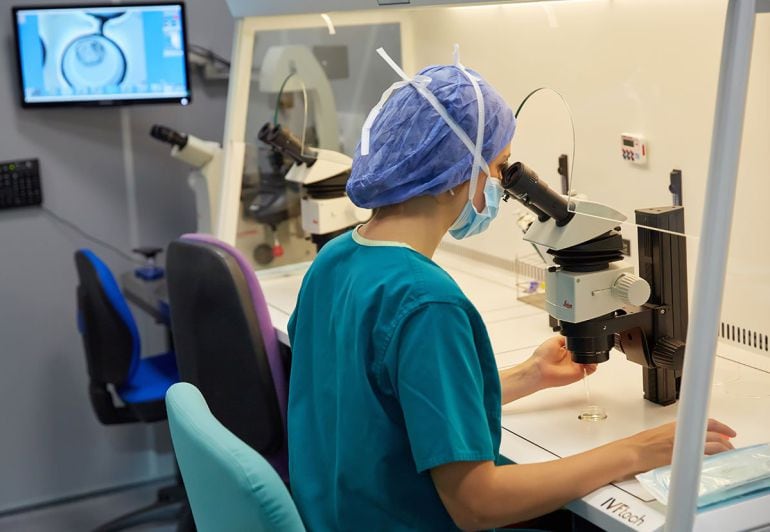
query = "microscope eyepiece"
x=284 y=142
x=522 y=183
x=169 y=136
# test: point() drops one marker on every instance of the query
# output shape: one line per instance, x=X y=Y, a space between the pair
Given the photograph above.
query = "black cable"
x=278 y=99
x=527 y=97
x=201 y=50
x=90 y=237
x=208 y=53
x=572 y=125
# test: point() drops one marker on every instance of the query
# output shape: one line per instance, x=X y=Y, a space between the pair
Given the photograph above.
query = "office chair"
x=113 y=358
x=225 y=342
x=230 y=485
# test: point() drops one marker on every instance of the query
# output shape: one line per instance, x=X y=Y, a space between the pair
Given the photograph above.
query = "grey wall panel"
x=51 y=444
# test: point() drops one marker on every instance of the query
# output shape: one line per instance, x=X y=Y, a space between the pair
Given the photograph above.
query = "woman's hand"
x=654 y=447
x=549 y=366
x=554 y=366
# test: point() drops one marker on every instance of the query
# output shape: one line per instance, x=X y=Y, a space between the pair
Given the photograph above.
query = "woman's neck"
x=420 y=223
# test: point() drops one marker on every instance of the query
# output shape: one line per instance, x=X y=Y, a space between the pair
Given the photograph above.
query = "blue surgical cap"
x=413 y=151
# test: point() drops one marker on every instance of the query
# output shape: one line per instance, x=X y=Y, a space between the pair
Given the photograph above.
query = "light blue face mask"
x=470 y=222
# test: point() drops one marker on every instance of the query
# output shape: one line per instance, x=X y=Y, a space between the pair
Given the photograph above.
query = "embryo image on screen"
x=102 y=53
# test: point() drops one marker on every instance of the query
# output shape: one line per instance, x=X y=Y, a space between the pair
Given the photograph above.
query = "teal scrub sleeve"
x=434 y=368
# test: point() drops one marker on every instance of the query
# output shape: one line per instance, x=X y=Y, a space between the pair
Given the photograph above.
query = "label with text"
x=635 y=514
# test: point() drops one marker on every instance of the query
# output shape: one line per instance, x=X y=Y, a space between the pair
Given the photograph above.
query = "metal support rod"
x=129 y=174
x=712 y=261
x=233 y=145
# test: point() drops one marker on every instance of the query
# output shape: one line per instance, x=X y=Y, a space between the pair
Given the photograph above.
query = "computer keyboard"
x=20 y=184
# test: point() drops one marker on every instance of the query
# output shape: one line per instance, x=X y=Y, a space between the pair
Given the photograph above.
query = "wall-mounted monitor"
x=109 y=54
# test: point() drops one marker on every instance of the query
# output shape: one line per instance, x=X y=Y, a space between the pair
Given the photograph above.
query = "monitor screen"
x=102 y=55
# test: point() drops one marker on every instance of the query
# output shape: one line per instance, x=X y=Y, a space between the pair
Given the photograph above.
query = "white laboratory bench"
x=545 y=426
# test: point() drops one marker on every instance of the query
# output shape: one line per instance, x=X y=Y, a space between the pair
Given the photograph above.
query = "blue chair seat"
x=152 y=378
x=115 y=367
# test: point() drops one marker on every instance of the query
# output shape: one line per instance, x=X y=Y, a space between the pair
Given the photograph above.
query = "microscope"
x=269 y=205
x=205 y=181
x=596 y=300
x=322 y=175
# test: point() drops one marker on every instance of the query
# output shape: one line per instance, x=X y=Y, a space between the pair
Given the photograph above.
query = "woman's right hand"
x=654 y=447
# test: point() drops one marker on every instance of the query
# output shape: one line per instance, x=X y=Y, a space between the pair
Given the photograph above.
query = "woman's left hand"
x=554 y=365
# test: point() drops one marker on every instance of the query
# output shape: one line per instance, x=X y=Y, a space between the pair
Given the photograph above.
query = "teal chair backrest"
x=229 y=485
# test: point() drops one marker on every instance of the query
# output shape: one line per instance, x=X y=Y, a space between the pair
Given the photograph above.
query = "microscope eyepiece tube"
x=283 y=141
x=523 y=184
x=169 y=136
x=264 y=132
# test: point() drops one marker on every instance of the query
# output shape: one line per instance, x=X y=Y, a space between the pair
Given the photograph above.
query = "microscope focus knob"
x=631 y=289
x=668 y=353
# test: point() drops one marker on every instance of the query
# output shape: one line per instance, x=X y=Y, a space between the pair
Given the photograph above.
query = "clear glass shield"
x=742 y=372
x=626 y=143
x=606 y=187
x=311 y=89
x=573 y=135
x=642 y=96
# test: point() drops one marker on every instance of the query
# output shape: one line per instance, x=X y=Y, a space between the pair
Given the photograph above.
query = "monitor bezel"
x=106 y=102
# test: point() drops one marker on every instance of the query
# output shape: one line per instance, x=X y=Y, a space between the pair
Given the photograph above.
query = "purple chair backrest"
x=263 y=315
x=211 y=283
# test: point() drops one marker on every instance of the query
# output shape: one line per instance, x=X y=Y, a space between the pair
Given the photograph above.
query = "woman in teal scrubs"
x=395 y=397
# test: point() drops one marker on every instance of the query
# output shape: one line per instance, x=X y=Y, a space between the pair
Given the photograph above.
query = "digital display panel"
x=102 y=55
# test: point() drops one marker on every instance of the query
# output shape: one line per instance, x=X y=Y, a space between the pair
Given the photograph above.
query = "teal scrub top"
x=392 y=374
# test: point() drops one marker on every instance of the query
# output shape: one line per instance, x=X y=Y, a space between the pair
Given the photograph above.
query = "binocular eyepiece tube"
x=169 y=136
x=521 y=182
x=284 y=142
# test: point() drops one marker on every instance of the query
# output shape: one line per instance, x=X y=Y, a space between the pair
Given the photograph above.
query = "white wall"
x=647 y=66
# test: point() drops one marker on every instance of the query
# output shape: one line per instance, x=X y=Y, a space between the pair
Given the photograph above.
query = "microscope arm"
x=206 y=157
x=634 y=330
